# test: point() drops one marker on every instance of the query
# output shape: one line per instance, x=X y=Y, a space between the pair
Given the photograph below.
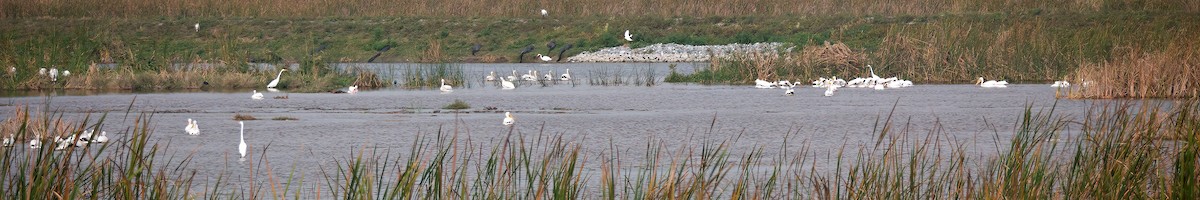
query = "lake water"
x=333 y=126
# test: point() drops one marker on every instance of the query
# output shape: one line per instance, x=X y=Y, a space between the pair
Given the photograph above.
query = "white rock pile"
x=673 y=52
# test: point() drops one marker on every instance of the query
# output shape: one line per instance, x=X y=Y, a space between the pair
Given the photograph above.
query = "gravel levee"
x=674 y=52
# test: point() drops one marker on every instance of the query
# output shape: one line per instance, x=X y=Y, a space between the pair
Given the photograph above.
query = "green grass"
x=457 y=105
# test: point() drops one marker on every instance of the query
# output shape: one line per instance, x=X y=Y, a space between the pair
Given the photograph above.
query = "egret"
x=257 y=95
x=446 y=88
x=507 y=84
x=508 y=119
x=990 y=83
x=242 y=137
x=276 y=81
x=103 y=137
x=8 y=141
x=566 y=76
x=544 y=13
x=544 y=58
x=192 y=128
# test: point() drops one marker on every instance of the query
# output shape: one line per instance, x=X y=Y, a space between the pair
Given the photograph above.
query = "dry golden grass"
x=1139 y=73
x=241 y=117
x=37 y=123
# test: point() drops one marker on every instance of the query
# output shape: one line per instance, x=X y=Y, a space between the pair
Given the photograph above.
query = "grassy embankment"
x=1119 y=152
x=949 y=41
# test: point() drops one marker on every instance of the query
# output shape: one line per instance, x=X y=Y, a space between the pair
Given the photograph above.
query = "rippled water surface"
x=333 y=126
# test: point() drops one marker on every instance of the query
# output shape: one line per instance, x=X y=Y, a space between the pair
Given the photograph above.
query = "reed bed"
x=1124 y=150
x=431 y=76
x=1139 y=73
x=514 y=8
x=616 y=77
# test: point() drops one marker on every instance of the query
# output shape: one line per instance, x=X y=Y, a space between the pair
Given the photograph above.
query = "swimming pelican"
x=63 y=143
x=490 y=76
x=34 y=143
x=544 y=58
x=544 y=13
x=80 y=142
x=829 y=90
x=566 y=76
x=508 y=119
x=53 y=74
x=8 y=141
x=1061 y=84
x=628 y=37
x=197 y=27
x=548 y=76
x=446 y=88
x=86 y=136
x=256 y=96
x=103 y=137
x=990 y=83
x=507 y=84
x=192 y=128
x=352 y=90
x=790 y=91
x=242 y=137
x=276 y=81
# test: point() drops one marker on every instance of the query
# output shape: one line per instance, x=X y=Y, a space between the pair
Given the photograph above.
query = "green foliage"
x=457 y=105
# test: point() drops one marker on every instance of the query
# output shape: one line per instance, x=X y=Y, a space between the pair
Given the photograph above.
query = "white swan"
x=242 y=138
x=102 y=138
x=991 y=83
x=1060 y=84
x=829 y=90
x=508 y=119
x=276 y=81
x=352 y=90
x=446 y=88
x=490 y=76
x=507 y=84
x=565 y=76
x=628 y=37
x=192 y=128
x=513 y=76
x=544 y=58
x=257 y=95
x=8 y=141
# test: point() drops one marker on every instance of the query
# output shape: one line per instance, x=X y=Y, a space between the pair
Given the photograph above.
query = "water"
x=337 y=125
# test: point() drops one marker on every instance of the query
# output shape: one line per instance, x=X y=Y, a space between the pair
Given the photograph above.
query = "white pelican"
x=528 y=76
x=192 y=128
x=53 y=74
x=353 y=89
x=762 y=84
x=544 y=13
x=566 y=76
x=276 y=81
x=8 y=141
x=34 y=143
x=990 y=83
x=513 y=76
x=242 y=137
x=63 y=143
x=197 y=27
x=103 y=137
x=256 y=96
x=628 y=37
x=80 y=142
x=86 y=136
x=1060 y=84
x=829 y=90
x=548 y=76
x=42 y=71
x=446 y=88
x=66 y=73
x=544 y=58
x=508 y=119
x=490 y=76
x=507 y=84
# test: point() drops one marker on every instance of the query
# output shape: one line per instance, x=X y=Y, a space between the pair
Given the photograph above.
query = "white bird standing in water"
x=508 y=119
x=566 y=76
x=544 y=58
x=276 y=81
x=103 y=137
x=507 y=84
x=197 y=27
x=628 y=37
x=192 y=128
x=242 y=138
x=257 y=95
x=446 y=88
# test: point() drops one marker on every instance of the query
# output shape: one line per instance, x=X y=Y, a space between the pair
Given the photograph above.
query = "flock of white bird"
x=61 y=143
x=832 y=84
x=506 y=82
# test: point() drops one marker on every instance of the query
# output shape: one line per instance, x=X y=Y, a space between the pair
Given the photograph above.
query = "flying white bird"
x=276 y=81
x=508 y=119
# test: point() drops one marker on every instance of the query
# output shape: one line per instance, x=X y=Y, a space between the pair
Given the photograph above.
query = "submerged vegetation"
x=1120 y=151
